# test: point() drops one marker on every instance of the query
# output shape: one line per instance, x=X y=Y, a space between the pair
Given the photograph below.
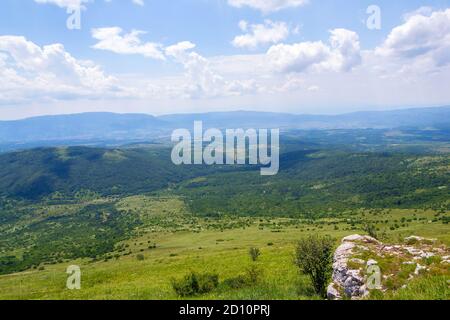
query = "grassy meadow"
x=171 y=242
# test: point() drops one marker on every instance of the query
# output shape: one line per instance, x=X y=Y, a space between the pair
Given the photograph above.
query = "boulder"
x=371 y=262
x=333 y=293
x=419 y=239
x=352 y=283
x=359 y=238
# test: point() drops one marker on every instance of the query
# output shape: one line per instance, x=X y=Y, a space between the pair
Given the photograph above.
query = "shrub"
x=314 y=257
x=237 y=282
x=371 y=230
x=251 y=277
x=254 y=274
x=195 y=283
x=254 y=253
x=140 y=257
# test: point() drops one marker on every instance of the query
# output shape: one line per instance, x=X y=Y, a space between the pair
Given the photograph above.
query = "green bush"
x=140 y=257
x=254 y=274
x=370 y=229
x=254 y=253
x=251 y=277
x=314 y=257
x=241 y=281
x=195 y=283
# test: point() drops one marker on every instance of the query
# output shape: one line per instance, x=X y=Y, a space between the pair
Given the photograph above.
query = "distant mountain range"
x=88 y=128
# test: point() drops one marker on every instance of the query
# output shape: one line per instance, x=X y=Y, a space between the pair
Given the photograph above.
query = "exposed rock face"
x=358 y=238
x=445 y=260
x=352 y=281
x=347 y=281
x=419 y=239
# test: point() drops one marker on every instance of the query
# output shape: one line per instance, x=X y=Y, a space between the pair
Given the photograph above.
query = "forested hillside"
x=34 y=174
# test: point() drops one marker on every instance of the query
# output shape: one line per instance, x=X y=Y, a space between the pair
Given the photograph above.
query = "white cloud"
x=424 y=11
x=411 y=67
x=267 y=6
x=29 y=72
x=63 y=3
x=261 y=34
x=298 y=57
x=201 y=80
x=137 y=2
x=342 y=54
x=346 y=50
x=113 y=39
x=178 y=51
x=423 y=39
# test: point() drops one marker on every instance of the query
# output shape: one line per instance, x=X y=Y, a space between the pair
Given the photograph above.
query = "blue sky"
x=164 y=57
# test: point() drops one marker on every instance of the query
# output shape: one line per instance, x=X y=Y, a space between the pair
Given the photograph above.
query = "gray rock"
x=371 y=262
x=419 y=239
x=426 y=255
x=359 y=238
x=333 y=293
x=418 y=269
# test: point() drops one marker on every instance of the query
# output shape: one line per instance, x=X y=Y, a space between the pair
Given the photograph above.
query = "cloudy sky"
x=161 y=57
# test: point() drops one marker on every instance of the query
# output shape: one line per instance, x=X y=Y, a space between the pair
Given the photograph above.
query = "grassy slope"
x=198 y=248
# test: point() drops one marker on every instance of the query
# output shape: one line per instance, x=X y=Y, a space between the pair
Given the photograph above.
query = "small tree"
x=314 y=257
x=195 y=283
x=140 y=257
x=370 y=229
x=254 y=253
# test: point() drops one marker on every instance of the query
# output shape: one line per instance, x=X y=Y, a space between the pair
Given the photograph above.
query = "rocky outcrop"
x=345 y=280
x=349 y=271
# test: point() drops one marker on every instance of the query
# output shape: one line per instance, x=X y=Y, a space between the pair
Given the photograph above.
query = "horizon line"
x=225 y=112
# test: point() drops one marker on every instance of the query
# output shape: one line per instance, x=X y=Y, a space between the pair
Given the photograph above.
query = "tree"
x=254 y=253
x=314 y=257
x=370 y=229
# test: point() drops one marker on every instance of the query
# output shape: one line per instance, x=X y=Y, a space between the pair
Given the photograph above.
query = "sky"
x=187 y=56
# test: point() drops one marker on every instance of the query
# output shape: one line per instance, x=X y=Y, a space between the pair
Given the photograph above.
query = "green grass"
x=423 y=288
x=205 y=246
x=128 y=278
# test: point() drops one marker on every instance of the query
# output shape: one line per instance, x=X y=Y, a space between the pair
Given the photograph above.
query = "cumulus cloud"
x=113 y=39
x=423 y=38
x=267 y=6
x=298 y=57
x=341 y=54
x=28 y=72
x=261 y=34
x=396 y=72
x=345 y=49
x=201 y=79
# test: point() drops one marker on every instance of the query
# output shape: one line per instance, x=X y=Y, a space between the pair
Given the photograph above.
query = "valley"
x=134 y=230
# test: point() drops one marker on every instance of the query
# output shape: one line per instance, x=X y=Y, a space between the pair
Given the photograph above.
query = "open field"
x=173 y=242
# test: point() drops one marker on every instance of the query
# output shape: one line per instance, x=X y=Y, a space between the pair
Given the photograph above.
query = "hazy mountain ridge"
x=90 y=127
